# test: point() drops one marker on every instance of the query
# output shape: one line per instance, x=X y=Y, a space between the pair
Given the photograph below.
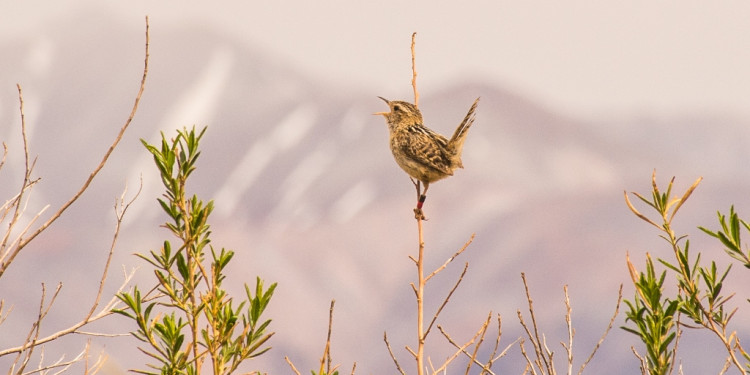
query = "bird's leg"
x=422 y=196
x=418 y=214
x=417 y=185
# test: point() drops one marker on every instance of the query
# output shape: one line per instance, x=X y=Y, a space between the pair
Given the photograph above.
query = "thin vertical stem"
x=414 y=70
x=420 y=301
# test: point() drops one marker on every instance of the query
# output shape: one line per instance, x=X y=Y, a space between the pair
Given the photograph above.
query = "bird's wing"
x=427 y=148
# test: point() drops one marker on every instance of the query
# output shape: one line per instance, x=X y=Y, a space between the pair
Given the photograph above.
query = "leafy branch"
x=188 y=318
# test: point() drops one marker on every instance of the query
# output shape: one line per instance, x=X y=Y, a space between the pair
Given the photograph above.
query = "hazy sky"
x=581 y=58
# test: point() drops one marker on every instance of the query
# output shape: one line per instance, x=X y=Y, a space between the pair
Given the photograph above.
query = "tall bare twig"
x=22 y=243
x=414 y=69
x=9 y=250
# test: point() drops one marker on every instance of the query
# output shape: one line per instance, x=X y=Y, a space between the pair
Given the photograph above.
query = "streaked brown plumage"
x=422 y=153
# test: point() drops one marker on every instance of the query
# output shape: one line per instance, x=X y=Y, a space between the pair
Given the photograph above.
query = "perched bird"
x=422 y=153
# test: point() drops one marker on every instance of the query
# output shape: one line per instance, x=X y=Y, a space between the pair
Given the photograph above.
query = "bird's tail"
x=456 y=143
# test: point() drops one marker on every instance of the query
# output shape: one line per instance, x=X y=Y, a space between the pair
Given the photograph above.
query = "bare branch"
x=535 y=340
x=120 y=209
x=445 y=301
x=17 y=211
x=106 y=310
x=461 y=349
x=291 y=365
x=414 y=70
x=606 y=331
x=461 y=250
x=529 y=363
x=571 y=332
x=99 y=167
x=390 y=351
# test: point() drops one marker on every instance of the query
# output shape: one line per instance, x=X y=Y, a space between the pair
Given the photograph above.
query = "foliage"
x=190 y=318
x=699 y=288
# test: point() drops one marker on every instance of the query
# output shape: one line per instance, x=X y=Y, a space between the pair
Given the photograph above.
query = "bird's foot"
x=418 y=214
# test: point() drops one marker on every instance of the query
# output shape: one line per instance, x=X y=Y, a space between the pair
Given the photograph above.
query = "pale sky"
x=579 y=58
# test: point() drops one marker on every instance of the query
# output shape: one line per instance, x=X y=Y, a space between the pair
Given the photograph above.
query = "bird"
x=421 y=152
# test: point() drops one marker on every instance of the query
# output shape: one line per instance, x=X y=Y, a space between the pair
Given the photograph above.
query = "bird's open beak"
x=386 y=102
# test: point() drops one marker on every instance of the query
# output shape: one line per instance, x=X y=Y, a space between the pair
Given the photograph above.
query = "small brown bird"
x=422 y=153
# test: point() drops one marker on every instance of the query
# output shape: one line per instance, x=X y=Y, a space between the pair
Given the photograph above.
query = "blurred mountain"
x=308 y=195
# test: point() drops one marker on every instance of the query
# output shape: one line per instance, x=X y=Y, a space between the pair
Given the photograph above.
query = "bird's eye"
x=396 y=108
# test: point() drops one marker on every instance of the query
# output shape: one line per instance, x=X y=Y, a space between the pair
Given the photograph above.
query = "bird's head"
x=401 y=113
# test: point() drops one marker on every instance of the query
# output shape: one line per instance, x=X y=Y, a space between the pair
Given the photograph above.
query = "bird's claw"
x=418 y=214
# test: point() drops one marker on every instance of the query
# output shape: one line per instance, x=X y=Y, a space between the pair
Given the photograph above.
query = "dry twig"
x=22 y=243
x=414 y=69
x=9 y=250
